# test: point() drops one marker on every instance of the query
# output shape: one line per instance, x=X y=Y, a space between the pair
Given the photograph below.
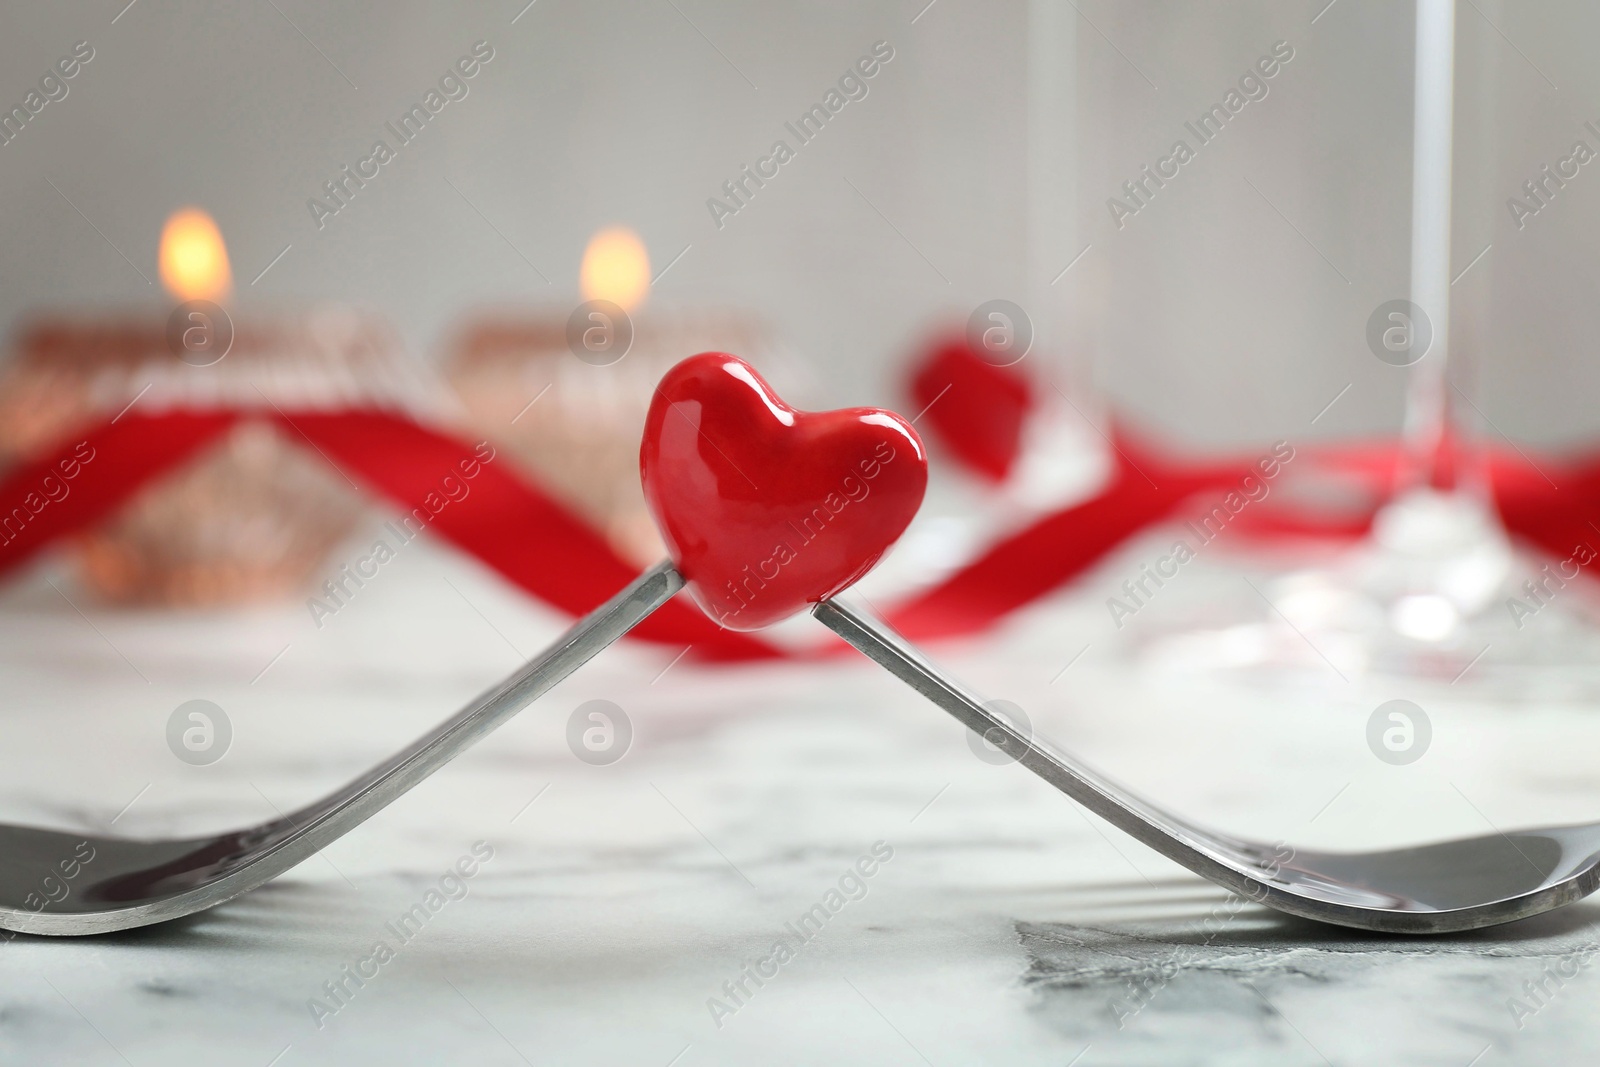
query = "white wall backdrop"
x=1231 y=307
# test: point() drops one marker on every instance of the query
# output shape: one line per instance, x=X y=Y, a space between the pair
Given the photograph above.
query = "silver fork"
x=55 y=882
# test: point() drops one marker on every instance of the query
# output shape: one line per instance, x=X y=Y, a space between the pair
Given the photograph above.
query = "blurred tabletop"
x=621 y=903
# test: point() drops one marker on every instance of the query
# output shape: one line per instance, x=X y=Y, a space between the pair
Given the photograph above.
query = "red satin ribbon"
x=519 y=530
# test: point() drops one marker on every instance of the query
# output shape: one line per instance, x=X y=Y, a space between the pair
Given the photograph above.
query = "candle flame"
x=194 y=261
x=616 y=267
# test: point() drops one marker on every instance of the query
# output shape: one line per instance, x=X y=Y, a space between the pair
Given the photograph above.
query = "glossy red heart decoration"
x=766 y=509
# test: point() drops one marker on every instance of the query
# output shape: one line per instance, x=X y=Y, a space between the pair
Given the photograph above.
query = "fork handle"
x=193 y=874
x=356 y=801
x=1163 y=831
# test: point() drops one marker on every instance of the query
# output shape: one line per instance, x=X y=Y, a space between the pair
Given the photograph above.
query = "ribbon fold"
x=515 y=527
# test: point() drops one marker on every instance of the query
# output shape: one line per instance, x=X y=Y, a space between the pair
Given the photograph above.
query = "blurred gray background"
x=1230 y=309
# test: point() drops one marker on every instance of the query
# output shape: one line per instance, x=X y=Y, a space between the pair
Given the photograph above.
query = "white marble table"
x=1008 y=927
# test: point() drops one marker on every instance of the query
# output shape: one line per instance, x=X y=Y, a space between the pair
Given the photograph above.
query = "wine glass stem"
x=1428 y=402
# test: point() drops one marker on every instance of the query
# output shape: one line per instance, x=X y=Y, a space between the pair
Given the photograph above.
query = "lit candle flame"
x=194 y=261
x=616 y=267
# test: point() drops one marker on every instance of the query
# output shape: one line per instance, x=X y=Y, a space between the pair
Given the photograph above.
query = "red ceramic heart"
x=766 y=509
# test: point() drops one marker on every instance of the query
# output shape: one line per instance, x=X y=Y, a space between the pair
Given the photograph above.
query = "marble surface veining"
x=622 y=902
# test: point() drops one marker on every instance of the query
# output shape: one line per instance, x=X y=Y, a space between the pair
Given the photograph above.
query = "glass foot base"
x=1437 y=595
